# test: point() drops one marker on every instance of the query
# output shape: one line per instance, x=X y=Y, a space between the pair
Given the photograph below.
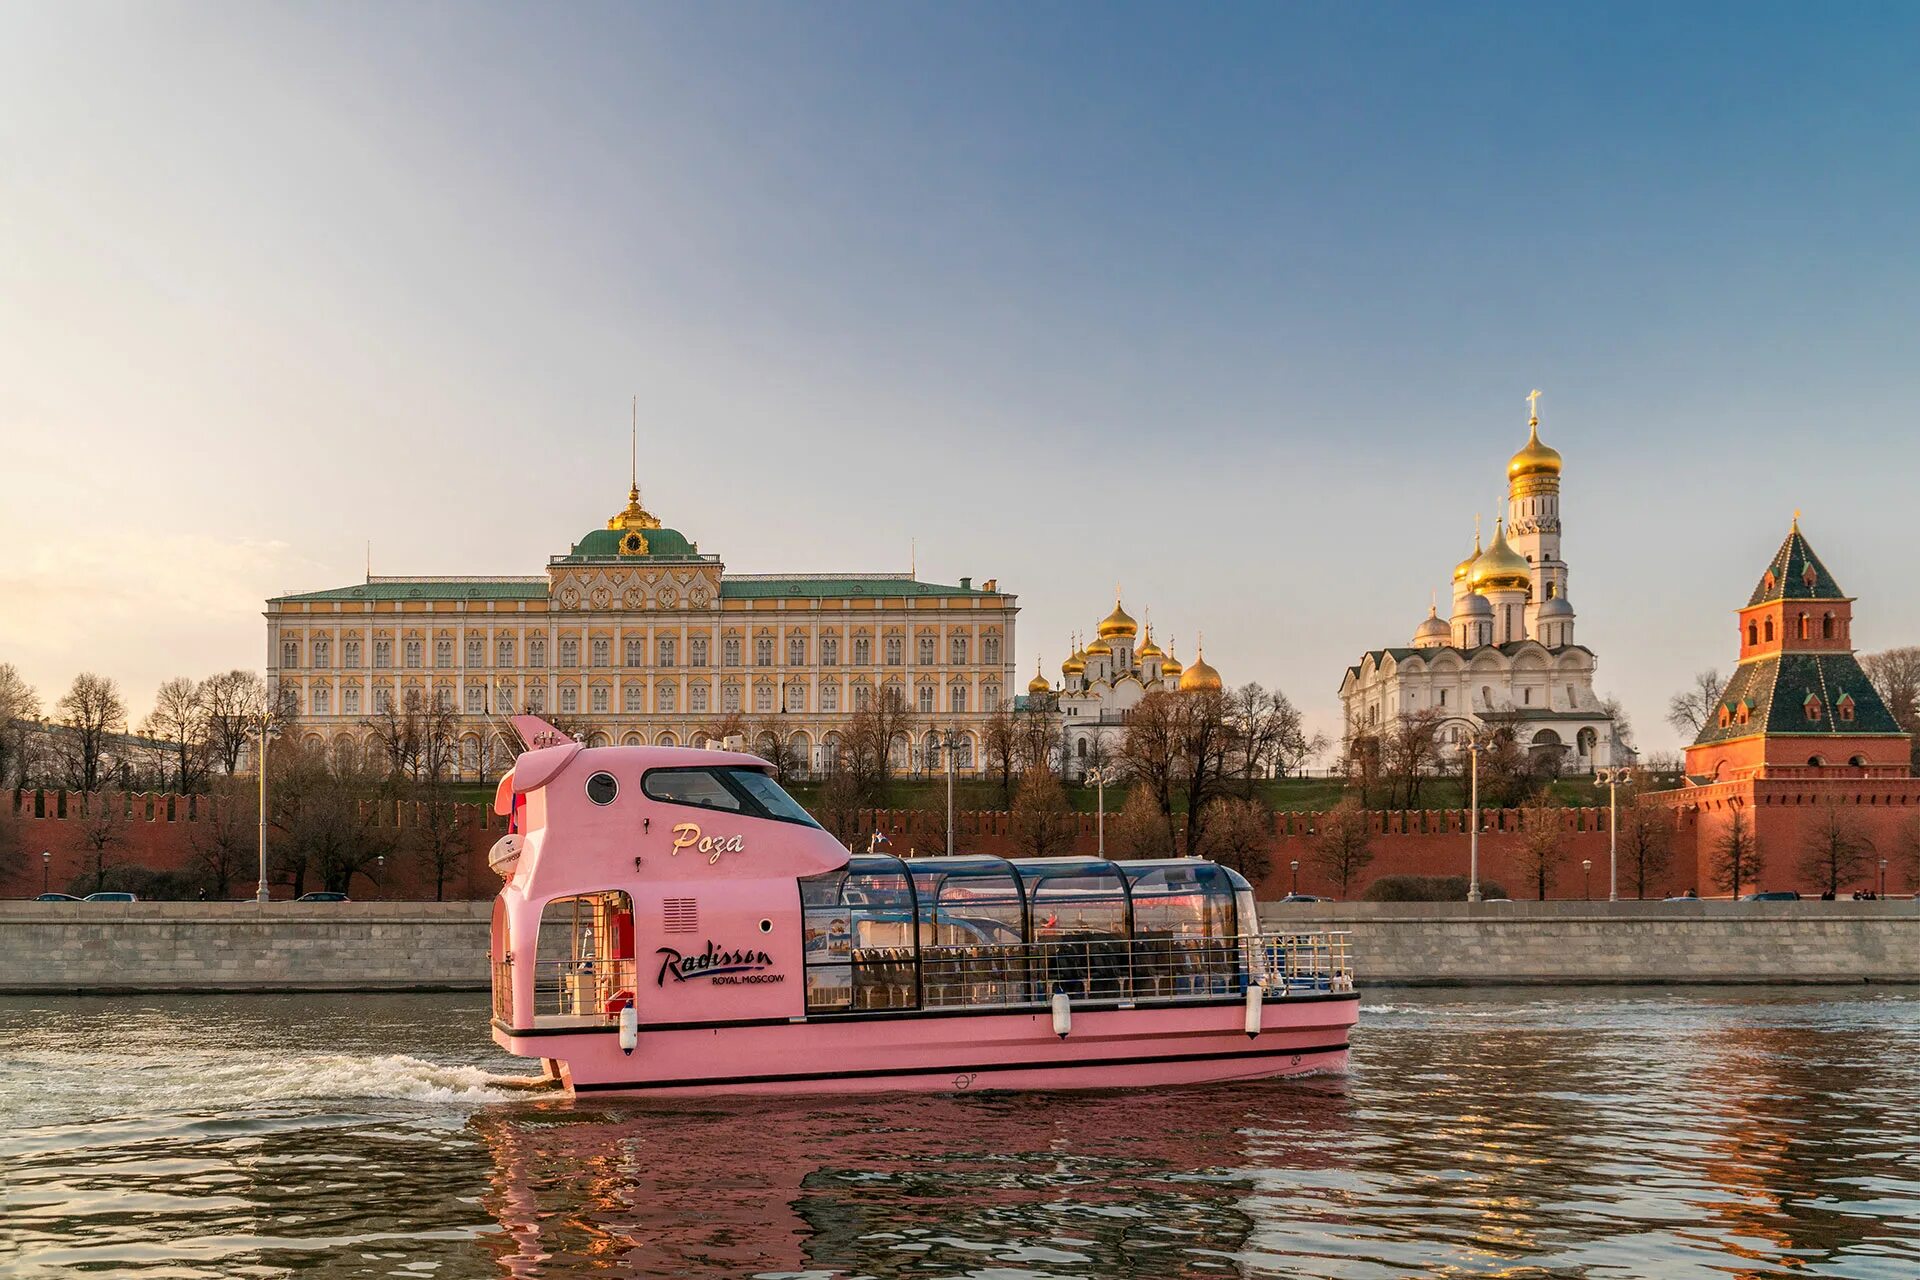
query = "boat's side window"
x=733 y=789
x=859 y=940
x=699 y=787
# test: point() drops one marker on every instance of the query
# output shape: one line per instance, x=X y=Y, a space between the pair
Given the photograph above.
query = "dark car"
x=1771 y=895
x=110 y=896
x=1305 y=897
x=325 y=895
x=56 y=897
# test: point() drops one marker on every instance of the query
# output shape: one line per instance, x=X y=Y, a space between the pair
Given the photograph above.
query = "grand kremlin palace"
x=636 y=637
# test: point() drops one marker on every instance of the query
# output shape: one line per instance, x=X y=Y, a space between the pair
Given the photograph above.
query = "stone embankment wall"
x=239 y=946
x=373 y=946
x=1461 y=944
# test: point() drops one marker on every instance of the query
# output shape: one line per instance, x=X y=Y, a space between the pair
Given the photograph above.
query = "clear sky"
x=1232 y=305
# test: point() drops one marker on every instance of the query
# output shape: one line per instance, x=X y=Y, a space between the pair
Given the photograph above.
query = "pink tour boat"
x=674 y=923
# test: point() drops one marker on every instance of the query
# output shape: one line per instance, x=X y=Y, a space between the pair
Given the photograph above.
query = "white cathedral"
x=1505 y=654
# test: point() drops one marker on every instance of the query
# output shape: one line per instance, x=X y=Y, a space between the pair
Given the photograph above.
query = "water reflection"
x=1537 y=1133
x=1094 y=1184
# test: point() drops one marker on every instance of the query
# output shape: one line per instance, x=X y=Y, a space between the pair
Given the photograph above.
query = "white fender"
x=1062 y=1014
x=1254 y=996
x=629 y=1028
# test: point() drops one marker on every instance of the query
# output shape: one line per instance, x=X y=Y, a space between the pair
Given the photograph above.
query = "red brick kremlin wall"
x=160 y=836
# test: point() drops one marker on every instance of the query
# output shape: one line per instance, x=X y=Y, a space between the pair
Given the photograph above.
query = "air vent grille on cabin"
x=679 y=915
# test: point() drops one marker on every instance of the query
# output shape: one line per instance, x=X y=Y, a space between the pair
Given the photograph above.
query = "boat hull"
x=1105 y=1048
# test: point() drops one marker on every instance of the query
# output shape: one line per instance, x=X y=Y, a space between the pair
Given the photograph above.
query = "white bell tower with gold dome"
x=1533 y=518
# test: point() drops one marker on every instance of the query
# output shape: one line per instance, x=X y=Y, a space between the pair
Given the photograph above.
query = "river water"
x=1658 y=1132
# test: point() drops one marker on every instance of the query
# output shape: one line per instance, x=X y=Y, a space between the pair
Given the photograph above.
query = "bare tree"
x=1268 y=734
x=1543 y=834
x=100 y=835
x=1365 y=763
x=1037 y=739
x=233 y=702
x=1410 y=752
x=325 y=820
x=1239 y=834
x=1906 y=850
x=1000 y=740
x=1689 y=710
x=1736 y=856
x=1343 y=842
x=1645 y=841
x=179 y=719
x=19 y=709
x=1622 y=729
x=1838 y=848
x=1150 y=751
x=225 y=842
x=439 y=836
x=868 y=745
x=1206 y=743
x=93 y=713
x=1042 y=822
x=1140 y=830
x=417 y=738
x=1895 y=676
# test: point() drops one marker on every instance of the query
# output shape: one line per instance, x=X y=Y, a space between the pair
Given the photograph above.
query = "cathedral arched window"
x=696 y=697
x=569 y=699
x=924 y=647
x=863 y=651
x=476 y=651
x=1753 y=634
x=730 y=651
x=763 y=698
x=1768 y=630
x=635 y=651
x=990 y=651
x=830 y=651
x=537 y=651
x=1826 y=627
x=569 y=651
x=602 y=651
x=631 y=698
x=926 y=699
x=600 y=699
x=503 y=652
x=668 y=697
x=443 y=652
x=796 y=651
x=1806 y=627
x=896 y=650
x=763 y=651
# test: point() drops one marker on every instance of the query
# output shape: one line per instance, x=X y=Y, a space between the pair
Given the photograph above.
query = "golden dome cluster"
x=1500 y=567
x=1112 y=656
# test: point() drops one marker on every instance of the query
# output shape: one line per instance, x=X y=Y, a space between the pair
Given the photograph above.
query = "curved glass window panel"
x=971 y=938
x=770 y=796
x=701 y=788
x=1078 y=926
x=1190 y=900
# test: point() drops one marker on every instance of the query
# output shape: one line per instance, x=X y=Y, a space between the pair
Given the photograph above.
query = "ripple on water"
x=1544 y=1133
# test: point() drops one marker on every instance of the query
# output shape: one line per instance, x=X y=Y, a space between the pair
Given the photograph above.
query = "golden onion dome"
x=1075 y=664
x=1536 y=459
x=1465 y=567
x=1039 y=682
x=1200 y=677
x=1118 y=625
x=1149 y=649
x=1500 y=567
x=1100 y=647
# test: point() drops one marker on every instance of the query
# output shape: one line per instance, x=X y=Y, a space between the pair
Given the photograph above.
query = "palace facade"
x=1505 y=653
x=636 y=637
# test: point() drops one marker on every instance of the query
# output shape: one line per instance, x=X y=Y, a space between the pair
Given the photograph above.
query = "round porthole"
x=602 y=788
x=766 y=926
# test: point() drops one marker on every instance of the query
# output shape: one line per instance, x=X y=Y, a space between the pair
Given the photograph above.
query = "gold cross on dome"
x=1533 y=404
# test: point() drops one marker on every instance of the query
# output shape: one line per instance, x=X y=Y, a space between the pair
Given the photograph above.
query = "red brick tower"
x=1798 y=705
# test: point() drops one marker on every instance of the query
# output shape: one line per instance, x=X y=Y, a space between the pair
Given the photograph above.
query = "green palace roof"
x=1795 y=573
x=662 y=544
x=745 y=587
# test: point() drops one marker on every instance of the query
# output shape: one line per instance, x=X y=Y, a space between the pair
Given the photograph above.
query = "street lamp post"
x=1097 y=776
x=1611 y=779
x=260 y=891
x=1295 y=866
x=949 y=748
x=1883 y=877
x=1586 y=878
x=46 y=870
x=1473 y=815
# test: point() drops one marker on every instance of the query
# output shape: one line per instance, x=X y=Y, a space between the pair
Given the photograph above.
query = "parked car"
x=1307 y=897
x=110 y=897
x=1771 y=895
x=325 y=895
x=56 y=897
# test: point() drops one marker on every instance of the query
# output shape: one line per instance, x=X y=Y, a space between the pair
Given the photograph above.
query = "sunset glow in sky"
x=1233 y=306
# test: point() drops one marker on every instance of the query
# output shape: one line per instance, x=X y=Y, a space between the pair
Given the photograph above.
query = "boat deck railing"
x=1096 y=970
x=585 y=992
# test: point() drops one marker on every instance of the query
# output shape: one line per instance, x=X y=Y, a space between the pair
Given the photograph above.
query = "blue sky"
x=1233 y=306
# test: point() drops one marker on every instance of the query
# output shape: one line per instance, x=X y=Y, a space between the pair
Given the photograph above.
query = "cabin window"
x=1078 y=924
x=1184 y=932
x=971 y=936
x=858 y=927
x=732 y=789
